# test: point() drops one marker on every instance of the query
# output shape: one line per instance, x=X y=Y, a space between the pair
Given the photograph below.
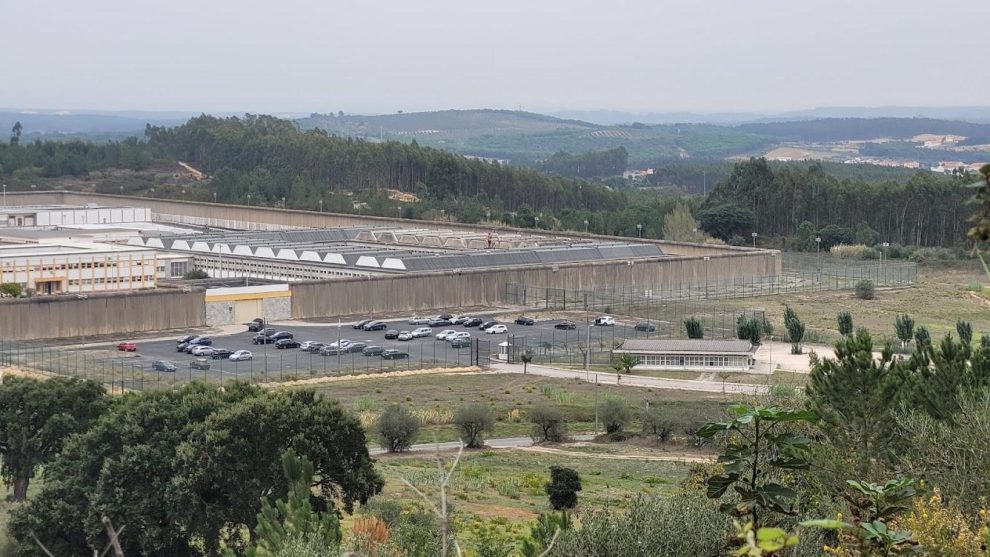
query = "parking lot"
x=133 y=370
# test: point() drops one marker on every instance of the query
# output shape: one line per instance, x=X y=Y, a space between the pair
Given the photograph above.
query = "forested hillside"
x=926 y=210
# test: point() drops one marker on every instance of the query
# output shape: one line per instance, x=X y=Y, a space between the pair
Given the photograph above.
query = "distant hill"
x=843 y=129
x=82 y=125
x=526 y=137
x=974 y=114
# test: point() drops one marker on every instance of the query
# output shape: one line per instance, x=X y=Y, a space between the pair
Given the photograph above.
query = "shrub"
x=472 y=422
x=563 y=487
x=855 y=251
x=683 y=524
x=865 y=290
x=694 y=328
x=941 y=529
x=11 y=289
x=659 y=422
x=615 y=415
x=549 y=424
x=195 y=274
x=845 y=322
x=397 y=428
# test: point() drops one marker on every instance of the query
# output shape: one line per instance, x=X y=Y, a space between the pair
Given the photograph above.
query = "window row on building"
x=111 y=280
x=692 y=361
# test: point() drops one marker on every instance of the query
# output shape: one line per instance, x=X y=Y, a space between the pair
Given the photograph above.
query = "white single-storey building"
x=705 y=355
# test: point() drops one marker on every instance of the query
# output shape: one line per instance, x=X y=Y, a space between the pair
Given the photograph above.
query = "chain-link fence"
x=126 y=371
x=658 y=320
x=802 y=273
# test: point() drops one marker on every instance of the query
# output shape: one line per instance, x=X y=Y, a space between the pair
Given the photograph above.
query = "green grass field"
x=508 y=484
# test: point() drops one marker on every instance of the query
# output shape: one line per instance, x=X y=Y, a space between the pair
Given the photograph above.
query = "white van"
x=605 y=321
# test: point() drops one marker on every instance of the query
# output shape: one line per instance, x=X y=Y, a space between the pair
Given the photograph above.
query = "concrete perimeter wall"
x=116 y=314
x=487 y=287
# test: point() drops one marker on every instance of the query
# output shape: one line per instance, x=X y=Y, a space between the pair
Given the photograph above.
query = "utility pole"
x=704 y=182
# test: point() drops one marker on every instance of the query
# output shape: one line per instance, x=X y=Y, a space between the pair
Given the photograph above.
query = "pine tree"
x=795 y=329
x=845 y=321
x=904 y=327
x=694 y=328
x=856 y=396
x=294 y=520
x=941 y=375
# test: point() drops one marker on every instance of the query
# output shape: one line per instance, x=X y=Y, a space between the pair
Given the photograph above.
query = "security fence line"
x=801 y=274
x=133 y=373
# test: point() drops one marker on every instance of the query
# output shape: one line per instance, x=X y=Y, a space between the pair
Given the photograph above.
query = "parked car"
x=446 y=316
x=362 y=323
x=201 y=341
x=605 y=321
x=181 y=347
x=461 y=342
x=566 y=326
x=523 y=320
x=284 y=343
x=199 y=363
x=185 y=338
x=221 y=353
x=241 y=356
x=497 y=329
x=329 y=350
x=393 y=354
x=268 y=331
x=311 y=346
x=127 y=347
x=163 y=365
x=456 y=335
x=418 y=320
x=646 y=327
x=201 y=350
x=256 y=325
x=373 y=350
x=376 y=326
x=261 y=339
x=354 y=347
x=459 y=319
x=422 y=332
x=487 y=325
x=281 y=335
x=439 y=322
x=404 y=335
x=442 y=335
x=391 y=334
x=473 y=322
x=342 y=343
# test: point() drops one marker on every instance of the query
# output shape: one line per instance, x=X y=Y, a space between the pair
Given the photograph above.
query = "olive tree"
x=473 y=421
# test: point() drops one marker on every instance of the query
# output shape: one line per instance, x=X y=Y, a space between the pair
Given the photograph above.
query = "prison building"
x=699 y=354
x=77 y=267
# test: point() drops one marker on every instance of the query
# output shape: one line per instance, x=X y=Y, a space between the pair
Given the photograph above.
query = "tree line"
x=926 y=210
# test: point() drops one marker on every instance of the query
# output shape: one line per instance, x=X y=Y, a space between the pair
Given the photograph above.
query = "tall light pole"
x=883 y=254
x=5 y=195
x=707 y=259
x=152 y=192
x=639 y=230
x=321 y=204
x=249 y=200
x=214 y=197
x=704 y=182
x=537 y=220
x=585 y=226
x=283 y=202
x=754 y=239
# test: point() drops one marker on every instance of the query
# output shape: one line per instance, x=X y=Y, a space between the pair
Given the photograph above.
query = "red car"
x=127 y=347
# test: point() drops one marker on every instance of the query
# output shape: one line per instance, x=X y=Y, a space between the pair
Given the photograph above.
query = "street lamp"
x=754 y=239
x=639 y=230
x=585 y=226
x=152 y=192
x=249 y=200
x=214 y=197
x=5 y=195
x=488 y=215
x=707 y=259
x=283 y=202
x=121 y=190
x=883 y=254
x=321 y=204
x=537 y=225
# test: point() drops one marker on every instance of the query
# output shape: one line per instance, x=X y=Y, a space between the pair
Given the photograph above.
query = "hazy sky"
x=383 y=56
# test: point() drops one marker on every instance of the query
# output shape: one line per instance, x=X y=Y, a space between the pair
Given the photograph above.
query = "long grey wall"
x=117 y=314
x=487 y=287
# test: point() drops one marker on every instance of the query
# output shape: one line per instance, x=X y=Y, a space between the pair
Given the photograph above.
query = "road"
x=633 y=380
x=503 y=443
